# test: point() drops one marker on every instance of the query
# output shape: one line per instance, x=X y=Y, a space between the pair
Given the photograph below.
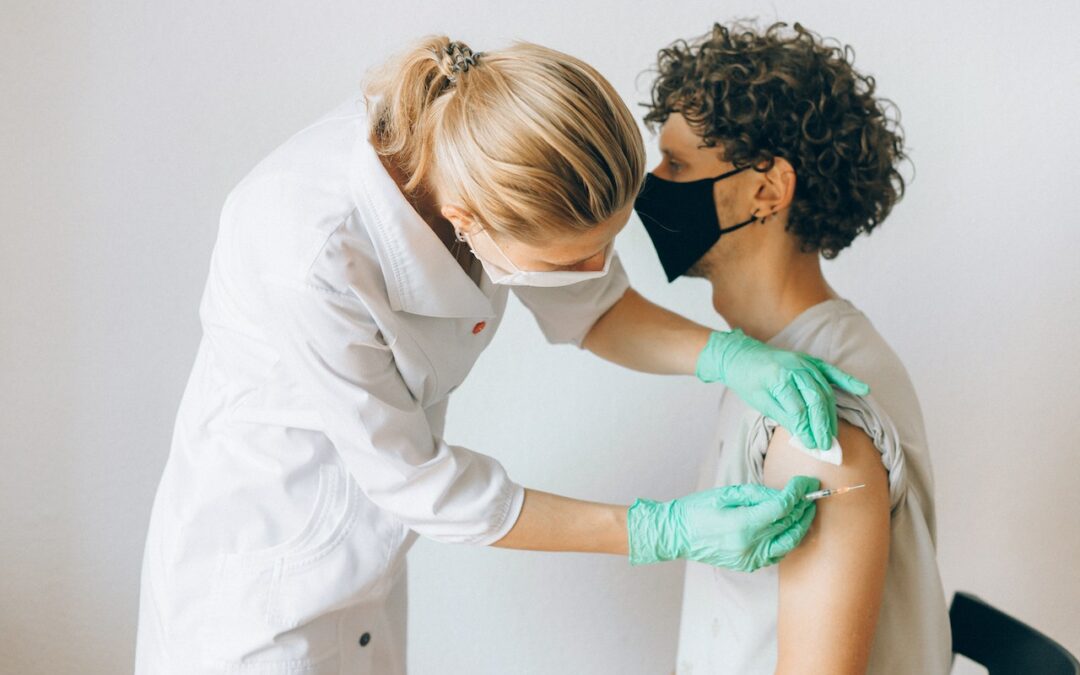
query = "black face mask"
x=681 y=219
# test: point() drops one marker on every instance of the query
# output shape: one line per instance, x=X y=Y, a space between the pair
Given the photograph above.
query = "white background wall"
x=125 y=125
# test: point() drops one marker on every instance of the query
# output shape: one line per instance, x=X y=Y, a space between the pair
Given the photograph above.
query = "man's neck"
x=764 y=295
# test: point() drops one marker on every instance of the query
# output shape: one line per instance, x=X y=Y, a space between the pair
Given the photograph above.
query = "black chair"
x=1002 y=644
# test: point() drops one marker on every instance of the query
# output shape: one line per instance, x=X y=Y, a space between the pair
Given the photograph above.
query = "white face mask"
x=507 y=273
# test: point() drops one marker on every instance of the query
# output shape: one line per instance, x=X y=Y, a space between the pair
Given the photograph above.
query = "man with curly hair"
x=777 y=152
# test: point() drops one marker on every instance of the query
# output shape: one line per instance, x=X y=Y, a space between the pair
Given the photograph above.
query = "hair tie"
x=462 y=58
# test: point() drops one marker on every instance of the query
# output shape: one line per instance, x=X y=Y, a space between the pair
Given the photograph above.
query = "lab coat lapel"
x=421 y=275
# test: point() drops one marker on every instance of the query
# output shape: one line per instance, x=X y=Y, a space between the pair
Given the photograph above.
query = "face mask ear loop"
x=509 y=264
x=753 y=216
x=738 y=226
x=729 y=174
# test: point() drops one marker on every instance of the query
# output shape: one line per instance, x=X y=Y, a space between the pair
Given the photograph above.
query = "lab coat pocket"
x=280 y=604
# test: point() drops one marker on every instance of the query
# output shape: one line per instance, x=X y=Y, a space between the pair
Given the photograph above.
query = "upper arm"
x=831 y=585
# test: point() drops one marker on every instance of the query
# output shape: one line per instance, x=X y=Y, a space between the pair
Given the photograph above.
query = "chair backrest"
x=1002 y=644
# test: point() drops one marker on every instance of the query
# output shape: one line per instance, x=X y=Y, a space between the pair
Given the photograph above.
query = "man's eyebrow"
x=670 y=153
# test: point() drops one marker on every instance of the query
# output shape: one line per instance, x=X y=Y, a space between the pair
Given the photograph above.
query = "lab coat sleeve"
x=340 y=361
x=565 y=314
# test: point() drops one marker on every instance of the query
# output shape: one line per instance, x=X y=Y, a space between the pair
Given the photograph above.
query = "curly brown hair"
x=777 y=93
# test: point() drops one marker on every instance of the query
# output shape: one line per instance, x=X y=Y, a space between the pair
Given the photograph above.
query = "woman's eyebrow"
x=576 y=262
x=571 y=264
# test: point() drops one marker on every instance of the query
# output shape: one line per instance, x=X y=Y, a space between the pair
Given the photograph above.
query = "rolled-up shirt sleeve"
x=566 y=314
x=333 y=349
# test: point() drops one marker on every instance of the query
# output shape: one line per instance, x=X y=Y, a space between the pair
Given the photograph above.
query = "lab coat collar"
x=421 y=275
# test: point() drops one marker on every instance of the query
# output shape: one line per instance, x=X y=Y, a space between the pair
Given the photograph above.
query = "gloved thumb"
x=799 y=486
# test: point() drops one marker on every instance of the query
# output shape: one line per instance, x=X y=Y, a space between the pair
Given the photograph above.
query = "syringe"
x=821 y=494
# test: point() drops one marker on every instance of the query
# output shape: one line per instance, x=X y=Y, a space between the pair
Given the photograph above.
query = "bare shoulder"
x=831 y=585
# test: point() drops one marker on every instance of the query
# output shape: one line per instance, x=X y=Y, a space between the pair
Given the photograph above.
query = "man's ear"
x=776 y=189
x=462 y=220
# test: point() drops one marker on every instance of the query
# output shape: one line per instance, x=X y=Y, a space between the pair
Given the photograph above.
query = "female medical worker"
x=340 y=312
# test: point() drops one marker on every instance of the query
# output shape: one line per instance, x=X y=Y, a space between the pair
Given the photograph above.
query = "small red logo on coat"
x=478 y=327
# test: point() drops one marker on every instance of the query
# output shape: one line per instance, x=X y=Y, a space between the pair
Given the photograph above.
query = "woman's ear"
x=776 y=188
x=462 y=220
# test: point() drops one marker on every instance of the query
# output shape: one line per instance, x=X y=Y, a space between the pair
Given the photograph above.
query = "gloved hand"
x=792 y=388
x=741 y=527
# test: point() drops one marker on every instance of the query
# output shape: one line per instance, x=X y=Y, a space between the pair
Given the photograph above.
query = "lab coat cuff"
x=515 y=500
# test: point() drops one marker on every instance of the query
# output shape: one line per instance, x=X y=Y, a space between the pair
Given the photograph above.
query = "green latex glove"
x=741 y=527
x=792 y=388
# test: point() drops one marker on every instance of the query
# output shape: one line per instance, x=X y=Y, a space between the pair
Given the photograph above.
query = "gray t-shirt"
x=729 y=618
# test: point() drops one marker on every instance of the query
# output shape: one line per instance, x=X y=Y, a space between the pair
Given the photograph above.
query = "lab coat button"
x=479 y=327
x=365 y=639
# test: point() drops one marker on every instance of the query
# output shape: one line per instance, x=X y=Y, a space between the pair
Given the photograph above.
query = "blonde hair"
x=530 y=140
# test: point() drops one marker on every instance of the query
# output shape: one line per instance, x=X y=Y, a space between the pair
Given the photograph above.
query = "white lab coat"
x=308 y=452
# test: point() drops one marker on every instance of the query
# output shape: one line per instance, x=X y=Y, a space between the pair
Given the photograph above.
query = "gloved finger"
x=785 y=542
x=777 y=527
x=817 y=410
x=825 y=387
x=787 y=508
x=848 y=383
x=784 y=523
x=793 y=416
x=773 y=538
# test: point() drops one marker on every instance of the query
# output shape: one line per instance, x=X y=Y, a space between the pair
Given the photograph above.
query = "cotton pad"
x=834 y=455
